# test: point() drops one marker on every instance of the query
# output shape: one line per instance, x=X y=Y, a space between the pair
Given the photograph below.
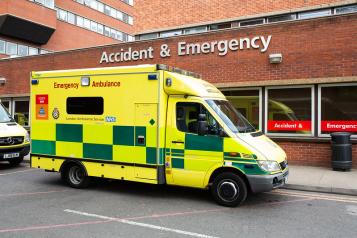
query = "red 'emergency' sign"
x=339 y=126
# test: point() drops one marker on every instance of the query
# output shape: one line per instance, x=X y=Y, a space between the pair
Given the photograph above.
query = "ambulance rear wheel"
x=228 y=189
x=76 y=176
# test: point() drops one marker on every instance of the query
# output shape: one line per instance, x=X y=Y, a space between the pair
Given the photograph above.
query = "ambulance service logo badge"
x=55 y=113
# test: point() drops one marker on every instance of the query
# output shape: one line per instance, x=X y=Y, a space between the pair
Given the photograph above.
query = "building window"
x=314 y=14
x=85 y=105
x=71 y=18
x=248 y=103
x=2 y=47
x=289 y=111
x=33 y=51
x=220 y=26
x=195 y=30
x=148 y=36
x=251 y=22
x=346 y=9
x=107 y=10
x=286 y=17
x=90 y=25
x=338 y=108
x=21 y=112
x=171 y=33
x=23 y=50
x=46 y=3
x=11 y=48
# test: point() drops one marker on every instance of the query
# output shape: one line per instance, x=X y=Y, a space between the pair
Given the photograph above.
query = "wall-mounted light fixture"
x=2 y=81
x=275 y=58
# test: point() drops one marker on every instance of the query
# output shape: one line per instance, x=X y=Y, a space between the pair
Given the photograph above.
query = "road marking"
x=126 y=221
x=177 y=214
x=282 y=202
x=32 y=228
x=32 y=193
x=343 y=199
x=16 y=172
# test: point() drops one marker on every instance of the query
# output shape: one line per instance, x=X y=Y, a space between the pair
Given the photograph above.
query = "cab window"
x=187 y=118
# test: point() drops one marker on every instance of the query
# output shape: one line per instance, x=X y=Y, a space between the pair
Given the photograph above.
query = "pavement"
x=318 y=179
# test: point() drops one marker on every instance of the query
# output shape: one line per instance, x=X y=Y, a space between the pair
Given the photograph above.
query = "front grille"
x=11 y=140
x=283 y=165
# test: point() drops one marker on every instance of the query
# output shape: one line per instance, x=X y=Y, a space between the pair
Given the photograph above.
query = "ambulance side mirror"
x=202 y=125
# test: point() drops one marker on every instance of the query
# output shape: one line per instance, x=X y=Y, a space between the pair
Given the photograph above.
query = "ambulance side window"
x=85 y=105
x=187 y=118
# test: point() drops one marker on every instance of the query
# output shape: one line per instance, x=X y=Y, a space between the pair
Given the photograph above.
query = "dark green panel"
x=240 y=159
x=97 y=151
x=44 y=147
x=208 y=143
x=140 y=131
x=150 y=155
x=69 y=132
x=178 y=163
x=251 y=169
x=162 y=156
x=123 y=135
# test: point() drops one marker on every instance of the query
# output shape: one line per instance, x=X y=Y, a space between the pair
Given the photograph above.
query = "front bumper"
x=266 y=183
x=23 y=150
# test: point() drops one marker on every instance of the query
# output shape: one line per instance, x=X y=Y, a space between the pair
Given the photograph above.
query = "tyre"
x=228 y=189
x=75 y=176
x=16 y=161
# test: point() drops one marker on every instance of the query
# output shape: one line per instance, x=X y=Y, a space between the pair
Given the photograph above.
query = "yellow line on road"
x=342 y=198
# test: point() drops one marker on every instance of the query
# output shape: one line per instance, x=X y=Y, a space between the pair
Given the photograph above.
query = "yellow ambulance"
x=152 y=124
x=14 y=139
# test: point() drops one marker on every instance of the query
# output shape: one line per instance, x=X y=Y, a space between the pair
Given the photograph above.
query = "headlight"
x=27 y=137
x=269 y=165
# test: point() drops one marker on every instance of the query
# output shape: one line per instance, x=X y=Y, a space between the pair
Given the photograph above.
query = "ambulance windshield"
x=231 y=117
x=4 y=115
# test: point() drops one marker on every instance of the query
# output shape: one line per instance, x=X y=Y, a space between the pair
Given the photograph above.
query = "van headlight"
x=27 y=137
x=268 y=165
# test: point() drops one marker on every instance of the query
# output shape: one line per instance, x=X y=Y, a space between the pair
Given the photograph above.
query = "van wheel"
x=75 y=176
x=16 y=161
x=228 y=189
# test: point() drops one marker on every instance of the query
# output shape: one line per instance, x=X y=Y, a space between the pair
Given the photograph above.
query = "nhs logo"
x=110 y=119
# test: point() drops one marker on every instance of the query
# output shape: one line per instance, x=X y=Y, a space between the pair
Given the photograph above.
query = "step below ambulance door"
x=190 y=156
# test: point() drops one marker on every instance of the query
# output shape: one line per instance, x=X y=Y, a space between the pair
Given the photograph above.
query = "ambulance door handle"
x=178 y=142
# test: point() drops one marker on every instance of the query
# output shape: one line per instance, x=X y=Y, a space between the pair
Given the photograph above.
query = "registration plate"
x=12 y=155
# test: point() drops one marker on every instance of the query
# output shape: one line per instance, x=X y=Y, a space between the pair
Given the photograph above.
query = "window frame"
x=279 y=134
x=260 y=89
x=319 y=134
x=13 y=108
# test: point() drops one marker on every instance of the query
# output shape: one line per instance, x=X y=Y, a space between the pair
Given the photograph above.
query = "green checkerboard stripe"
x=43 y=147
x=69 y=132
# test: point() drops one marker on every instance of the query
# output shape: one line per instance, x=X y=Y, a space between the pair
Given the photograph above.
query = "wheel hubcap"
x=228 y=190
x=76 y=175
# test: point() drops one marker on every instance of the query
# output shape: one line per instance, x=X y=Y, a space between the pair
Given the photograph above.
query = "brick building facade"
x=315 y=81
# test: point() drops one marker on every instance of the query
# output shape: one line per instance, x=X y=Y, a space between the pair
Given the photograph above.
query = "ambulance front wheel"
x=75 y=176
x=228 y=189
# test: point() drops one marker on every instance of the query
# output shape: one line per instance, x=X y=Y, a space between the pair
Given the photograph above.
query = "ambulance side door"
x=189 y=156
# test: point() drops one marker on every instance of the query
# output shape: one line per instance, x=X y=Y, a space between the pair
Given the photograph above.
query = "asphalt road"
x=37 y=204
